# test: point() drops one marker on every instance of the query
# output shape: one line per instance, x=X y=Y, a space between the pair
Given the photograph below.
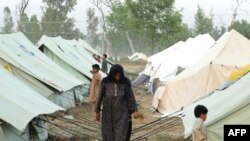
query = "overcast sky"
x=220 y=8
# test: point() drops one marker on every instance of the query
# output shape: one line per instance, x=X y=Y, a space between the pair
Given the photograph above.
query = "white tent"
x=64 y=54
x=150 y=74
x=185 y=56
x=168 y=63
x=154 y=63
x=229 y=53
x=228 y=107
x=156 y=60
x=138 y=57
x=181 y=54
x=19 y=105
x=39 y=72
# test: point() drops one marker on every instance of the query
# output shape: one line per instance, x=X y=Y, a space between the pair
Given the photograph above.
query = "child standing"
x=199 y=132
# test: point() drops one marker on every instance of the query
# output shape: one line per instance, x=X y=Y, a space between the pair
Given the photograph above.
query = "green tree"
x=121 y=23
x=181 y=35
x=156 y=20
x=23 y=24
x=8 y=21
x=203 y=23
x=145 y=25
x=55 y=20
x=242 y=27
x=218 y=32
x=93 y=22
x=35 y=29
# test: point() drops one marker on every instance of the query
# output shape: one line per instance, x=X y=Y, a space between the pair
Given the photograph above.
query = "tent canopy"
x=82 y=51
x=167 y=64
x=62 y=49
x=155 y=60
x=17 y=50
x=19 y=104
x=229 y=53
x=88 y=47
x=182 y=54
x=185 y=56
x=234 y=111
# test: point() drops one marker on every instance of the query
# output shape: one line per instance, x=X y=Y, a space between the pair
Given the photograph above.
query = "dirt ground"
x=80 y=124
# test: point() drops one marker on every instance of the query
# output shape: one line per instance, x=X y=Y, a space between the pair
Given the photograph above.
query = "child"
x=199 y=131
x=94 y=86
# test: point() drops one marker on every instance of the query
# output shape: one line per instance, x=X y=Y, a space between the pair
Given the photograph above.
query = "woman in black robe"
x=119 y=104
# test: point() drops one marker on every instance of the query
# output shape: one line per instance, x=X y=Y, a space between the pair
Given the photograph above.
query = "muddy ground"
x=80 y=124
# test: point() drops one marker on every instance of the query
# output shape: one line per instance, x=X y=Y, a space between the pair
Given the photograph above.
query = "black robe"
x=118 y=103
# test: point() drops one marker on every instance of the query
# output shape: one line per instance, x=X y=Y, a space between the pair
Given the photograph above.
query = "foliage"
x=23 y=24
x=218 y=32
x=93 y=22
x=35 y=29
x=203 y=24
x=55 y=20
x=30 y=27
x=156 y=19
x=8 y=21
x=242 y=27
x=152 y=23
x=121 y=18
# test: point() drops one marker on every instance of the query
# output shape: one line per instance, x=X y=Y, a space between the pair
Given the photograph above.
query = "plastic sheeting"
x=82 y=51
x=77 y=74
x=88 y=47
x=209 y=73
x=10 y=133
x=36 y=70
x=140 y=80
x=19 y=104
x=235 y=110
x=85 y=54
x=61 y=49
x=239 y=73
x=20 y=52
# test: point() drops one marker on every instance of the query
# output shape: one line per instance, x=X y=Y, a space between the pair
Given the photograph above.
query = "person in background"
x=119 y=104
x=98 y=58
x=105 y=64
x=94 y=86
x=199 y=131
x=94 y=56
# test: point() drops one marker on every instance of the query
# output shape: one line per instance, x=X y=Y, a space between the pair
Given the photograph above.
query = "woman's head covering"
x=111 y=76
x=116 y=69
